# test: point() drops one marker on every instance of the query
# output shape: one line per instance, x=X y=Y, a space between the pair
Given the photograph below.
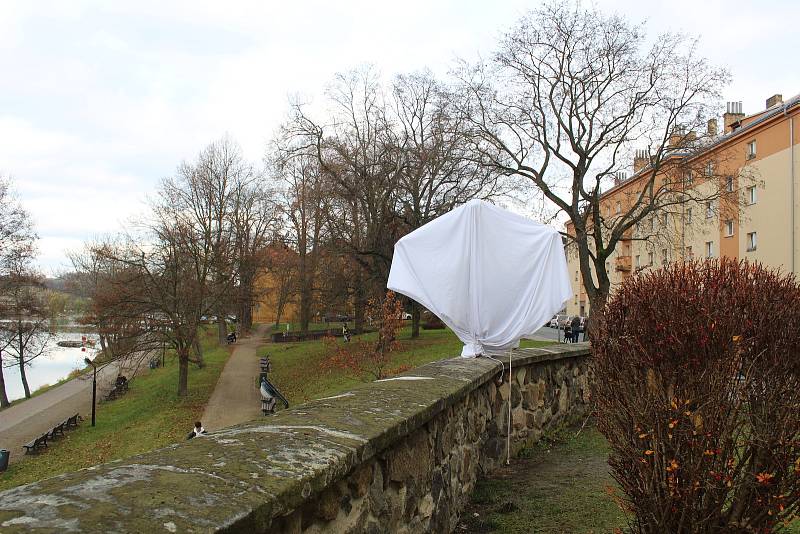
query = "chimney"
x=619 y=177
x=774 y=100
x=732 y=116
x=712 y=127
x=640 y=160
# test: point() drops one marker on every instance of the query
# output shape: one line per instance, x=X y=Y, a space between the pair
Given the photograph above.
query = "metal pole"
x=94 y=388
x=94 y=394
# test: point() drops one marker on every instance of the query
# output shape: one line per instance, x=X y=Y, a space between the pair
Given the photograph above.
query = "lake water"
x=49 y=368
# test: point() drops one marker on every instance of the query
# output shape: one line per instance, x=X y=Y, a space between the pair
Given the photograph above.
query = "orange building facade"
x=759 y=163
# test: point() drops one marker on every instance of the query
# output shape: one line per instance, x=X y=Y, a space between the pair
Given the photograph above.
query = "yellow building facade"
x=761 y=166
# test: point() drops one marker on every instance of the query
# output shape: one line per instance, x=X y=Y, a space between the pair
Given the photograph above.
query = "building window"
x=665 y=218
x=619 y=207
x=650 y=259
x=689 y=253
x=688 y=215
x=709 y=210
x=751 y=195
x=709 y=170
x=709 y=249
x=729 y=184
x=689 y=178
x=664 y=257
x=751 y=149
x=751 y=241
x=638 y=261
x=652 y=223
x=728 y=228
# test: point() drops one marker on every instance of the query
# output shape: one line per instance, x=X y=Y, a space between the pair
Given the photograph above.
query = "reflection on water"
x=50 y=367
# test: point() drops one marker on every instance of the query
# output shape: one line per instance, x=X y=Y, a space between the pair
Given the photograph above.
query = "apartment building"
x=754 y=160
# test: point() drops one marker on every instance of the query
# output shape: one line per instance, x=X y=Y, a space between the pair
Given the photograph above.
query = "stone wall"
x=399 y=455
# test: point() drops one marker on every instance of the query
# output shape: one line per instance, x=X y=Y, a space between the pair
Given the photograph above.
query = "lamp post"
x=94 y=386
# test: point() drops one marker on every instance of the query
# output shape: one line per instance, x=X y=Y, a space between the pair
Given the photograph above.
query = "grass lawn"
x=149 y=416
x=559 y=485
x=298 y=369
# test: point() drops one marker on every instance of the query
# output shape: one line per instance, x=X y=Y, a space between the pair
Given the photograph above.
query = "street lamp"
x=94 y=386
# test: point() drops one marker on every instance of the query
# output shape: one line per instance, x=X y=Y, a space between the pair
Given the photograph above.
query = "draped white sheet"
x=492 y=276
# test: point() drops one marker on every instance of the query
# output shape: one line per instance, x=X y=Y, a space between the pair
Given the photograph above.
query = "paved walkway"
x=31 y=418
x=236 y=398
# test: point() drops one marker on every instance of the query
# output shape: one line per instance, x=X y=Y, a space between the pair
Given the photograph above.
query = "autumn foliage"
x=698 y=392
x=371 y=357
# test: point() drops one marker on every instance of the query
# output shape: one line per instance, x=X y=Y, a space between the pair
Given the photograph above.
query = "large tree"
x=17 y=249
x=437 y=172
x=569 y=96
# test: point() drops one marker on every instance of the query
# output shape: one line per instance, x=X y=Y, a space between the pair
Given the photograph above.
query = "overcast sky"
x=99 y=100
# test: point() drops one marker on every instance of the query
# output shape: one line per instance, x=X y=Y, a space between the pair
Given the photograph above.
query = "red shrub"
x=698 y=392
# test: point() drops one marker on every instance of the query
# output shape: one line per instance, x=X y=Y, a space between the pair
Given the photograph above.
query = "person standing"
x=576 y=328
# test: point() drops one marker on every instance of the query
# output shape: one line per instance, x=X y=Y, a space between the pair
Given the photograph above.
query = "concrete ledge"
x=245 y=477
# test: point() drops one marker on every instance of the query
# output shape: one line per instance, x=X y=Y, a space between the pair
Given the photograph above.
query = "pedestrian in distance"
x=576 y=328
x=198 y=430
x=345 y=333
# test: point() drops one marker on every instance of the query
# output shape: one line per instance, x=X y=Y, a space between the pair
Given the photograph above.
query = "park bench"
x=58 y=430
x=72 y=421
x=36 y=444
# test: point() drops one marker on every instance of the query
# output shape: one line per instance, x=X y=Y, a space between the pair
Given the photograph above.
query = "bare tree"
x=204 y=194
x=25 y=333
x=438 y=172
x=305 y=204
x=255 y=223
x=569 y=96
x=17 y=248
x=360 y=157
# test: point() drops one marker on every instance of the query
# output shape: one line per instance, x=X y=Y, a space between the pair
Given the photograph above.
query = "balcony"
x=623 y=263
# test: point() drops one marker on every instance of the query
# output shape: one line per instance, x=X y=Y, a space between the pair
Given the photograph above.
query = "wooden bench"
x=36 y=444
x=58 y=430
x=72 y=421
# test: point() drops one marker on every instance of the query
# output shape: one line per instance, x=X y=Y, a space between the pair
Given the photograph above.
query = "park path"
x=236 y=398
x=31 y=418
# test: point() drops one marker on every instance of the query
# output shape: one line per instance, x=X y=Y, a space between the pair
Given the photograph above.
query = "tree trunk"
x=3 y=395
x=21 y=355
x=416 y=313
x=360 y=306
x=222 y=329
x=198 y=351
x=305 y=305
x=183 y=371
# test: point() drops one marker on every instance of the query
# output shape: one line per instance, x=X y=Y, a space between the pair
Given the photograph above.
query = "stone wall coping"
x=240 y=477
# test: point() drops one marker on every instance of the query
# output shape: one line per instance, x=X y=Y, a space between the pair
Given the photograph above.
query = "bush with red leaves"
x=697 y=389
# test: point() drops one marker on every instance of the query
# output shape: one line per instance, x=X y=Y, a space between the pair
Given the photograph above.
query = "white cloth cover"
x=492 y=276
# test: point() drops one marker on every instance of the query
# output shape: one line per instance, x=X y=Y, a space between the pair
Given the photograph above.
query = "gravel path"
x=236 y=398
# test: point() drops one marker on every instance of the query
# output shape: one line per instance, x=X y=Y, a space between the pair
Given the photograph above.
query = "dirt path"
x=236 y=398
x=29 y=419
x=556 y=487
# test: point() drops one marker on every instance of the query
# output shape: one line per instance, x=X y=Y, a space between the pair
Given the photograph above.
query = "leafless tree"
x=17 y=249
x=359 y=155
x=204 y=194
x=569 y=96
x=25 y=331
x=438 y=172
x=305 y=203
x=255 y=223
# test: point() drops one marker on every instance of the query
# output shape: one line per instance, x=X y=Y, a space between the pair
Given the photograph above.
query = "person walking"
x=576 y=328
